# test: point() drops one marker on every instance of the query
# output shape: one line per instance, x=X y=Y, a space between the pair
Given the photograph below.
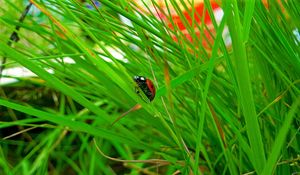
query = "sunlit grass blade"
x=245 y=91
x=280 y=138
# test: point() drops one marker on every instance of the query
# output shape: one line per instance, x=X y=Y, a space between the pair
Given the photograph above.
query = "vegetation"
x=219 y=108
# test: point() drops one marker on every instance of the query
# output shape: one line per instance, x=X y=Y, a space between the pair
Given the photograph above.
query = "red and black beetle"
x=146 y=85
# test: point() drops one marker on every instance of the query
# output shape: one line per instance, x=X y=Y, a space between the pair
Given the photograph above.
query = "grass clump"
x=219 y=108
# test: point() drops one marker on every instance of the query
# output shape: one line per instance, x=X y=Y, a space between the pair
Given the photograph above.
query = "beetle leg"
x=137 y=90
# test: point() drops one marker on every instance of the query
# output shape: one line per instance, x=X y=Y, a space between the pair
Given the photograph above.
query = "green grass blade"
x=245 y=91
x=280 y=138
x=53 y=81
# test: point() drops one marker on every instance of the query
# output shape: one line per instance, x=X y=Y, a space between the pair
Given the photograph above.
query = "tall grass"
x=219 y=109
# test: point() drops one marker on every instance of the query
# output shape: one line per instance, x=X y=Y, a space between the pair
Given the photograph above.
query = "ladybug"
x=146 y=86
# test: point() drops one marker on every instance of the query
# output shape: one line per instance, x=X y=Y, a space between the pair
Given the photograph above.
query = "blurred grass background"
x=221 y=107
